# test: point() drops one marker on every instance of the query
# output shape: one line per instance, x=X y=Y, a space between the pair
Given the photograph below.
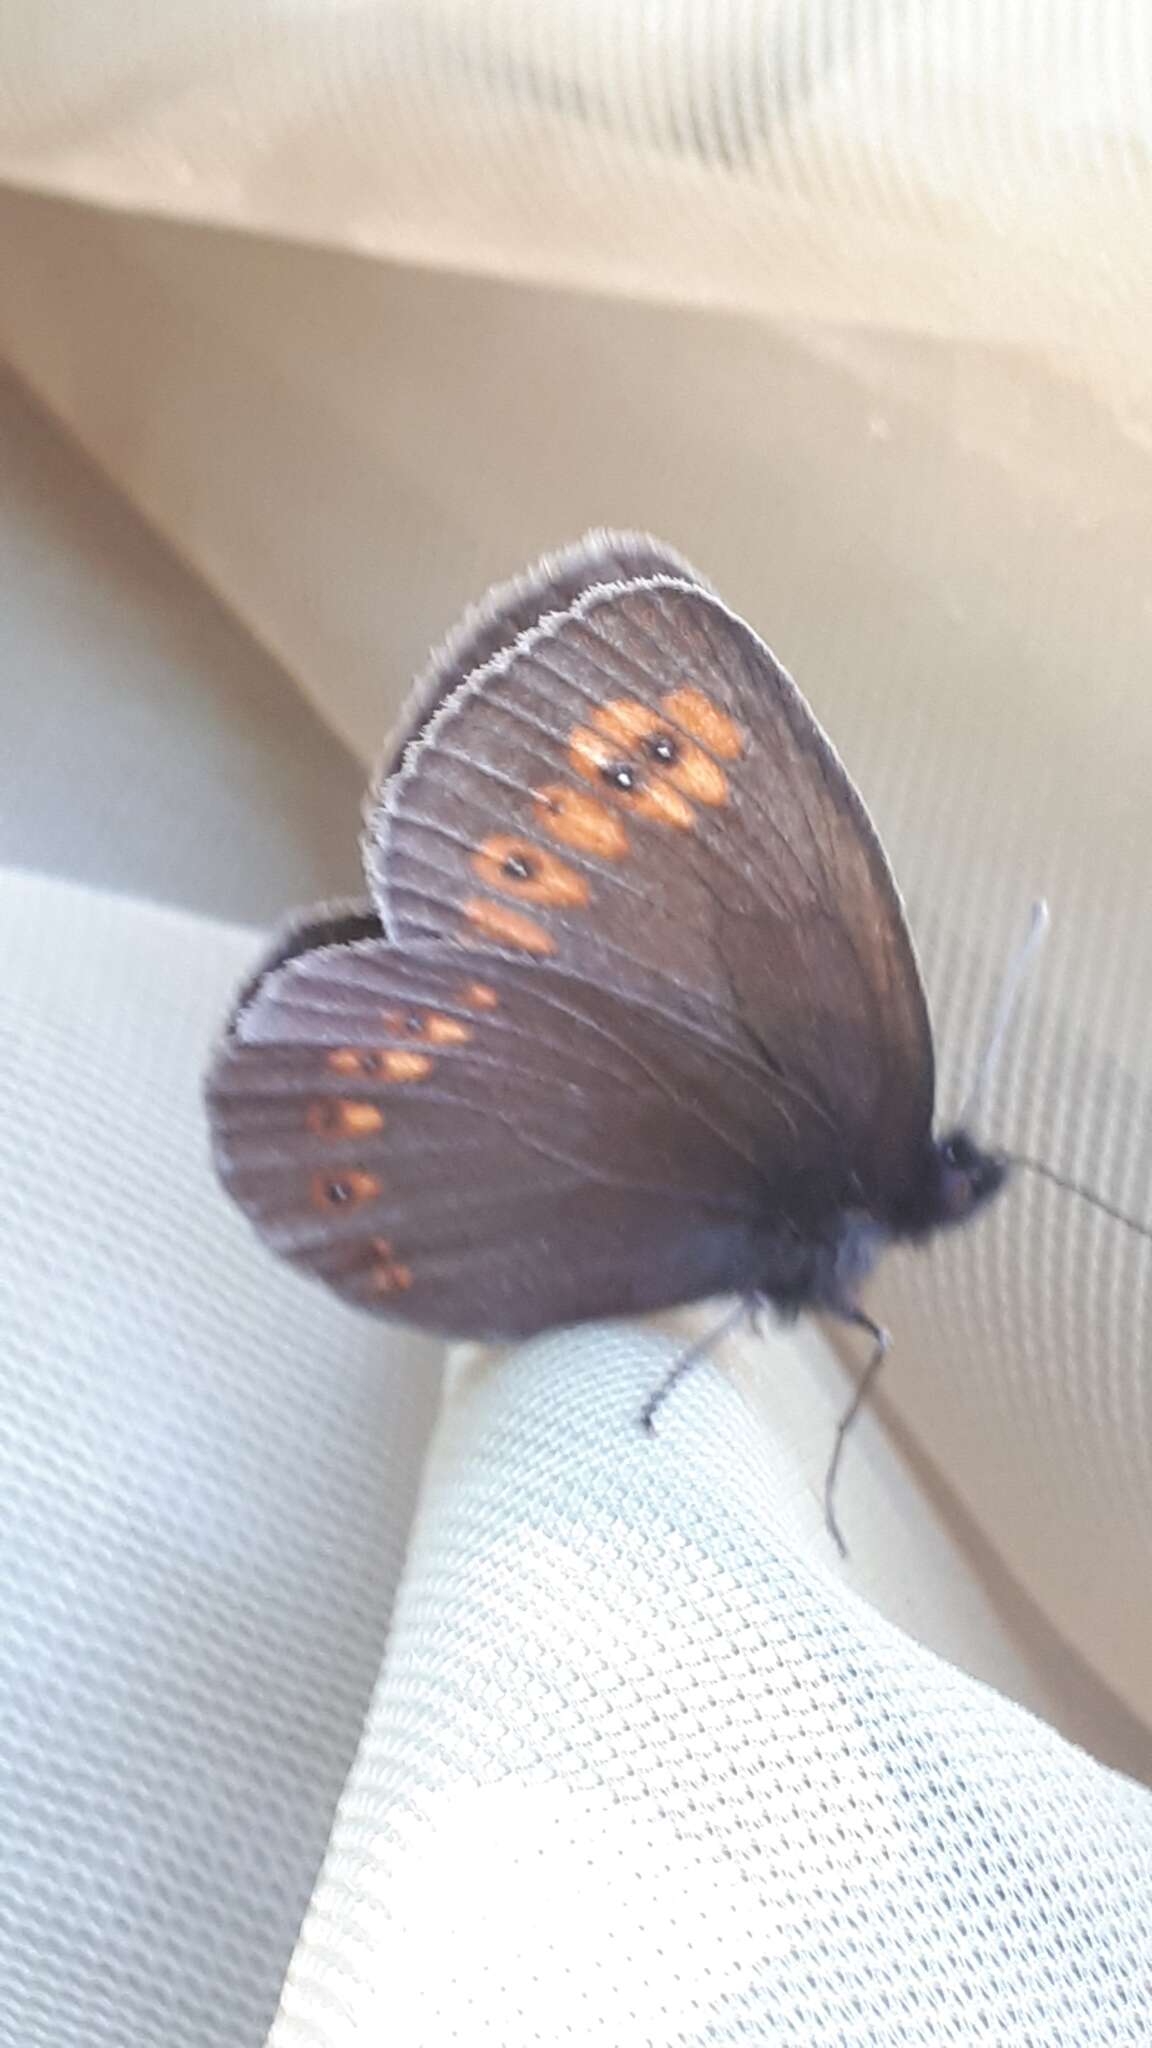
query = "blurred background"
x=316 y=319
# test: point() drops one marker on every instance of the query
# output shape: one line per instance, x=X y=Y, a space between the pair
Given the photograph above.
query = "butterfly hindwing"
x=473 y=1148
x=633 y=793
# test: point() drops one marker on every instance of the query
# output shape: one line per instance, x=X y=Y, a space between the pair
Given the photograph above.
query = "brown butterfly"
x=632 y=1018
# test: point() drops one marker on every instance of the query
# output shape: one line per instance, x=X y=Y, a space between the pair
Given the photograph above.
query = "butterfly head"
x=958 y=1180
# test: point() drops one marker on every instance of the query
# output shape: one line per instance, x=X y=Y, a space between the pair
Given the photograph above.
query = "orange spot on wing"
x=668 y=755
x=578 y=821
x=476 y=995
x=380 y=1062
x=386 y=1275
x=518 y=868
x=447 y=1031
x=648 y=794
x=662 y=805
x=405 y=1066
x=590 y=753
x=696 y=775
x=430 y=1028
x=500 y=925
x=695 y=713
x=344 y=1119
x=350 y=1059
x=336 y=1191
x=625 y=721
x=391 y=1279
x=403 y=1023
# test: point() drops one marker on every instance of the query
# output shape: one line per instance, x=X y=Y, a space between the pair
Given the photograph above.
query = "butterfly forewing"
x=493 y=626
x=634 y=794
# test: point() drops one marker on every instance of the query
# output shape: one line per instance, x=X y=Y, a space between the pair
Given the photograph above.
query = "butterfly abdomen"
x=821 y=1268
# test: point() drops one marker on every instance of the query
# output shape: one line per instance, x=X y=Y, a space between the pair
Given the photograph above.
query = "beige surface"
x=967 y=169
x=852 y=305
x=148 y=745
x=949 y=549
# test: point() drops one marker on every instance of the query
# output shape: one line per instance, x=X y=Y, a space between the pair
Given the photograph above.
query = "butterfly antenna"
x=1009 y=996
x=1076 y=1187
x=1006 y=1009
x=684 y=1364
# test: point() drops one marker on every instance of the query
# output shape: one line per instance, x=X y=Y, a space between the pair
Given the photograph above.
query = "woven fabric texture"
x=206 y=1475
x=639 y=1770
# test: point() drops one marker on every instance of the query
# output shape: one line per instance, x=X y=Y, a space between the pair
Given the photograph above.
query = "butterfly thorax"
x=824 y=1264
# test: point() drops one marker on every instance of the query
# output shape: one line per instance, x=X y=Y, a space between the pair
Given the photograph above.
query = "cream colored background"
x=348 y=451
x=362 y=306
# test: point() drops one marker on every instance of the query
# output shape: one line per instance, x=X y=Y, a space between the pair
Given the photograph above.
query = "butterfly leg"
x=880 y=1343
x=684 y=1364
x=757 y=1310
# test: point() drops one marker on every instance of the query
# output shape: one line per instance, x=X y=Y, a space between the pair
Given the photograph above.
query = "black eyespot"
x=414 y=1025
x=620 y=774
x=517 y=867
x=370 y=1063
x=662 y=747
x=337 y=1192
